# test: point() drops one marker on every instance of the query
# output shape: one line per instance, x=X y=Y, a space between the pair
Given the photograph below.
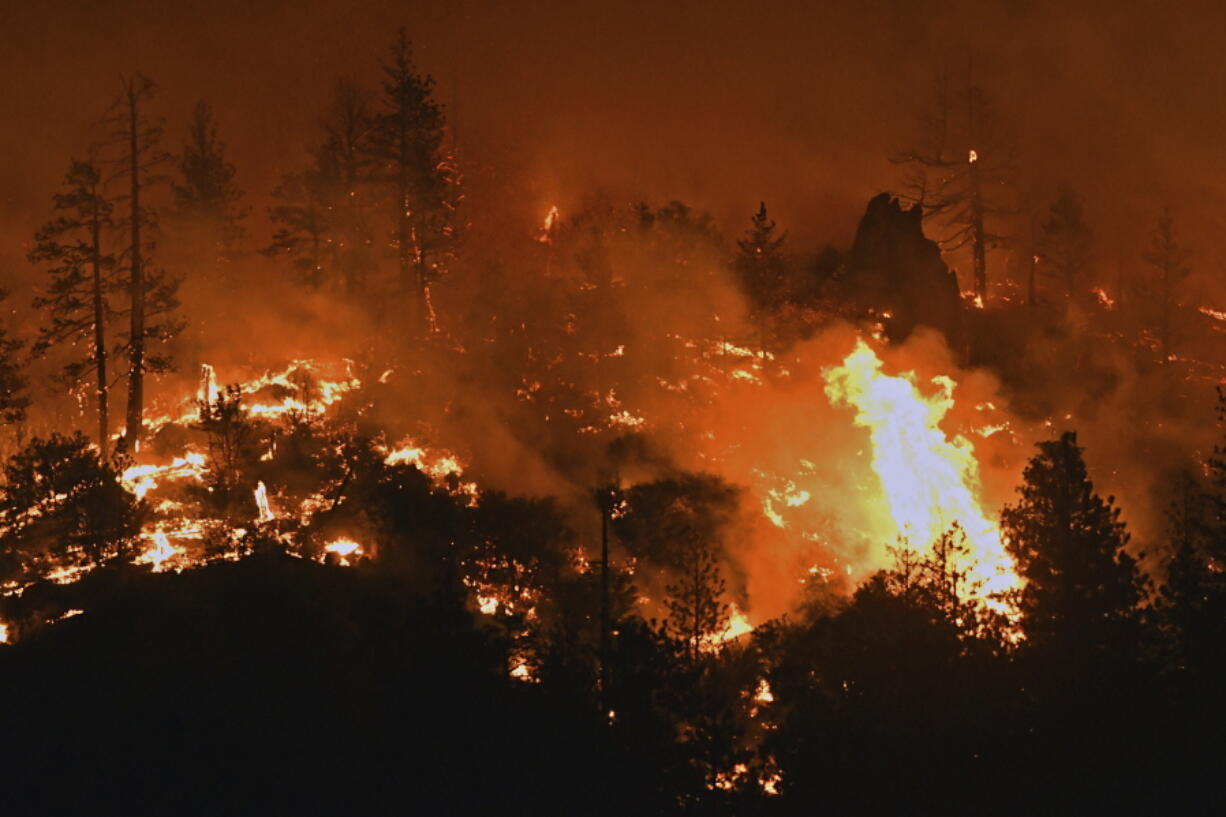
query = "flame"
x=161 y=552
x=545 y=235
x=930 y=481
x=738 y=625
x=208 y=385
x=763 y=694
x=1103 y=298
x=141 y=479
x=972 y=157
x=343 y=548
x=261 y=503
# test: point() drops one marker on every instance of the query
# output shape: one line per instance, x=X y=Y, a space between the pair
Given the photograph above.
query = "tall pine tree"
x=1082 y=588
x=151 y=292
x=1066 y=242
x=1169 y=260
x=205 y=191
x=13 y=398
x=81 y=273
x=406 y=146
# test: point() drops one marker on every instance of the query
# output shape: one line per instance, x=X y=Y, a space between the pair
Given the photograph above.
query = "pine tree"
x=1066 y=242
x=697 y=612
x=1082 y=589
x=343 y=173
x=13 y=398
x=84 y=514
x=1169 y=261
x=151 y=293
x=406 y=146
x=759 y=263
x=205 y=191
x=81 y=281
x=305 y=227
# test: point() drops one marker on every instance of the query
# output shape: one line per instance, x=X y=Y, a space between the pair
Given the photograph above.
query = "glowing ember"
x=929 y=480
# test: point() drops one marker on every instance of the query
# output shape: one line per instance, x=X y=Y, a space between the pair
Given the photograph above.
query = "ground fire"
x=438 y=451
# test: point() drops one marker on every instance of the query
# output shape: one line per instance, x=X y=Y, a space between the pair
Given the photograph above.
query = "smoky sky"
x=717 y=104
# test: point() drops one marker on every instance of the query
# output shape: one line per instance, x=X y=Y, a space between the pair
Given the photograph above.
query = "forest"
x=395 y=487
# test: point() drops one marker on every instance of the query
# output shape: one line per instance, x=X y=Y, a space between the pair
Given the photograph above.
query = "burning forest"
x=375 y=464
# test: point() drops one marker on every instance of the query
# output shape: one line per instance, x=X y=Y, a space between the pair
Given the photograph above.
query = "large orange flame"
x=930 y=480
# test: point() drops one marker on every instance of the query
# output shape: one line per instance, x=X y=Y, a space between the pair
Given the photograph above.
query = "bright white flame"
x=261 y=503
x=930 y=481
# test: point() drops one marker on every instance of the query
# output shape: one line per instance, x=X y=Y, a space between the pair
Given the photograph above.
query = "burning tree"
x=405 y=146
x=82 y=277
x=62 y=508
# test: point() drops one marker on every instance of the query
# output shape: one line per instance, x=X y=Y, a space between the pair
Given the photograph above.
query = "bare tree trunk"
x=978 y=248
x=136 y=358
x=100 y=332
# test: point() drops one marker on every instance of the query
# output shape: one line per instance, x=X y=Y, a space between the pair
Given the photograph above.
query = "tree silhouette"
x=1066 y=242
x=13 y=398
x=152 y=294
x=1169 y=260
x=62 y=506
x=405 y=146
x=205 y=191
x=1082 y=588
x=82 y=278
x=759 y=263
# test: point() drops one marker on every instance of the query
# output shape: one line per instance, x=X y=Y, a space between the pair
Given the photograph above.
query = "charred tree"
x=76 y=298
x=151 y=293
x=959 y=171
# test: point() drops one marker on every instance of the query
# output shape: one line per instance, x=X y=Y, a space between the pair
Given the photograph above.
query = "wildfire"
x=929 y=480
x=738 y=625
x=344 y=549
x=161 y=552
x=545 y=235
x=1104 y=299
